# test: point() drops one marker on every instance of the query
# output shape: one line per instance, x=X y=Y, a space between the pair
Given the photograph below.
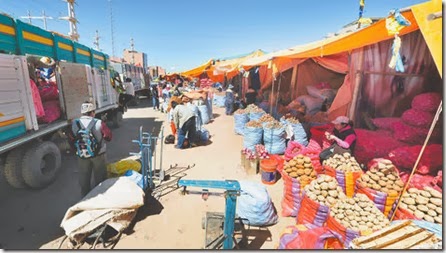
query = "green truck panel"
x=8 y=43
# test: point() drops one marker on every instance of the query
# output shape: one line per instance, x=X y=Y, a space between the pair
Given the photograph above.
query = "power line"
x=71 y=18
x=112 y=28
x=44 y=17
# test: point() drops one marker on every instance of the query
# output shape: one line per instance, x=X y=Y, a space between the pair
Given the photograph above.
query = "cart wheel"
x=203 y=222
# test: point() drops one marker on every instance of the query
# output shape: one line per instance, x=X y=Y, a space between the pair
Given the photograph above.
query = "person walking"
x=89 y=135
x=184 y=120
x=343 y=137
x=155 y=98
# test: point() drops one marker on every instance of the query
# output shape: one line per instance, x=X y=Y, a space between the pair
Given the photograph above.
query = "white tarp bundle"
x=113 y=202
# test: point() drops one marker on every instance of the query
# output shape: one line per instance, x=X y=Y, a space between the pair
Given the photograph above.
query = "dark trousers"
x=331 y=151
x=229 y=105
x=96 y=166
x=188 y=129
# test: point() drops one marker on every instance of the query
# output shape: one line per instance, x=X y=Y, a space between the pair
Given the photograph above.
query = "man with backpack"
x=89 y=136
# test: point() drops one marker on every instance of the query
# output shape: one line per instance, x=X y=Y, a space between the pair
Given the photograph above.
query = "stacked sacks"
x=255 y=204
x=354 y=217
x=241 y=117
x=373 y=144
x=296 y=174
x=317 y=199
x=431 y=161
x=266 y=118
x=255 y=113
x=300 y=135
x=381 y=184
x=415 y=122
x=253 y=134
x=346 y=171
x=274 y=138
x=219 y=100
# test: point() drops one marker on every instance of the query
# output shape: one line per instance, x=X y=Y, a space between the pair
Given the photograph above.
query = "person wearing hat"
x=343 y=137
x=229 y=100
x=91 y=156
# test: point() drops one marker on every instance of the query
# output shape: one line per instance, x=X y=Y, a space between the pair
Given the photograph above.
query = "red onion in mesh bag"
x=418 y=118
x=430 y=163
x=428 y=102
x=373 y=144
x=414 y=135
x=385 y=123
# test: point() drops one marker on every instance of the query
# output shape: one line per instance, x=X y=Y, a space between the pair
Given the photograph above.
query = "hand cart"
x=222 y=230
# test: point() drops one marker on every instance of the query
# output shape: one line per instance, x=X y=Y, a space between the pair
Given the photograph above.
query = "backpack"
x=86 y=144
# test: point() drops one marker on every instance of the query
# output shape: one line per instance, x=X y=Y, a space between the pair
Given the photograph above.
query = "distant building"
x=136 y=58
x=156 y=71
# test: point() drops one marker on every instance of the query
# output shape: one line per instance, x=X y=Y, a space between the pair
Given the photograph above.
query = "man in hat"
x=88 y=135
x=343 y=138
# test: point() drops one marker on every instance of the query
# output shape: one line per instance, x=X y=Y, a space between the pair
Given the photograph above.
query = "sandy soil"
x=30 y=219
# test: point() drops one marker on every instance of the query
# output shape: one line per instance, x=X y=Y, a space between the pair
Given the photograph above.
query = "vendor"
x=250 y=96
x=344 y=138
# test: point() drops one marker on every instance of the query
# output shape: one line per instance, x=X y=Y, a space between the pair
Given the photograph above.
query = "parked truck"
x=138 y=75
x=30 y=144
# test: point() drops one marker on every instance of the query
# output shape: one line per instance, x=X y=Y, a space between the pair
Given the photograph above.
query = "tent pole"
x=434 y=122
x=272 y=89
x=294 y=82
x=358 y=81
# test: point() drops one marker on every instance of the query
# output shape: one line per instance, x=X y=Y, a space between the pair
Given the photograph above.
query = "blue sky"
x=182 y=34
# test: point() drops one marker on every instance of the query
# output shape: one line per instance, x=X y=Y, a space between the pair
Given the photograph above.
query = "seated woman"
x=344 y=138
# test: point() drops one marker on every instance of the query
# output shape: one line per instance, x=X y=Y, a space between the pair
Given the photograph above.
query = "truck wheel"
x=13 y=168
x=41 y=164
x=117 y=119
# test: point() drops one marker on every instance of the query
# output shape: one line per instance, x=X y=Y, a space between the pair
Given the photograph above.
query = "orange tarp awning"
x=196 y=72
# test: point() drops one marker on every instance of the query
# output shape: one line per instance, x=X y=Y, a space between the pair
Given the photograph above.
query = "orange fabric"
x=337 y=63
x=196 y=72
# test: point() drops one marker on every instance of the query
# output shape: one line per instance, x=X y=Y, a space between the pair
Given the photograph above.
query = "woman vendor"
x=344 y=138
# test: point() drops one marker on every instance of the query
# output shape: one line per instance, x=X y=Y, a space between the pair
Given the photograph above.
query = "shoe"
x=193 y=145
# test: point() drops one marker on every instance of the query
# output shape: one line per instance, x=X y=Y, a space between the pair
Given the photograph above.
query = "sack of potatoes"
x=383 y=177
x=324 y=190
x=424 y=204
x=345 y=162
x=359 y=214
x=301 y=168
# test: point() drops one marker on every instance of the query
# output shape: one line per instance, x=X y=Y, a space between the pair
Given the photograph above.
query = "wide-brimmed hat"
x=341 y=120
x=47 y=60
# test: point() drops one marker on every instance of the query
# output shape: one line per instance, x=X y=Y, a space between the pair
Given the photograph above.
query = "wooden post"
x=358 y=77
x=294 y=82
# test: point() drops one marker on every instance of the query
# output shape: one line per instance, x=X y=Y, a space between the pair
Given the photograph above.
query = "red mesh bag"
x=431 y=161
x=385 y=123
x=307 y=236
x=318 y=133
x=373 y=144
x=52 y=112
x=420 y=181
x=312 y=212
x=418 y=118
x=414 y=135
x=428 y=102
x=294 y=148
x=49 y=92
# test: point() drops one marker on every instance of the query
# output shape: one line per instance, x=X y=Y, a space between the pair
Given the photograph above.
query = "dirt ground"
x=30 y=219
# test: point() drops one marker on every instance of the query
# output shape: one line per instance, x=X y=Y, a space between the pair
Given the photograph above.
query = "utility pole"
x=112 y=28
x=132 y=50
x=71 y=18
x=43 y=17
x=96 y=40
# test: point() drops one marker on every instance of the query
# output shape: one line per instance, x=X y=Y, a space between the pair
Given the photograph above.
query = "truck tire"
x=13 y=168
x=117 y=119
x=41 y=164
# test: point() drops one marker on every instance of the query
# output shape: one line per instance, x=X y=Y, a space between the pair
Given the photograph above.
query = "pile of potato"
x=254 y=123
x=292 y=120
x=425 y=204
x=274 y=125
x=266 y=118
x=253 y=108
x=359 y=214
x=324 y=190
x=345 y=163
x=300 y=167
x=383 y=177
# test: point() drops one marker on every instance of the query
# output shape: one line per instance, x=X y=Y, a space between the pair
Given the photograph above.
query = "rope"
x=434 y=122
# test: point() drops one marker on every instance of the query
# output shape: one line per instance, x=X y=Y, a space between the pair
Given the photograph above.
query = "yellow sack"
x=120 y=167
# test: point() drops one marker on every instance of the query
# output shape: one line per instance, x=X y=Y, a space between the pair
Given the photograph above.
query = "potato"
x=376 y=187
x=439 y=210
x=409 y=201
x=431 y=213
x=375 y=178
x=320 y=198
x=412 y=190
x=438 y=219
x=433 y=192
x=308 y=171
x=436 y=201
x=307 y=159
x=299 y=161
x=419 y=214
x=403 y=205
x=313 y=174
x=365 y=178
x=425 y=194
x=391 y=177
x=293 y=174
x=423 y=208
x=300 y=172
x=428 y=218
x=308 y=166
x=324 y=193
x=382 y=183
x=413 y=207
x=324 y=186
